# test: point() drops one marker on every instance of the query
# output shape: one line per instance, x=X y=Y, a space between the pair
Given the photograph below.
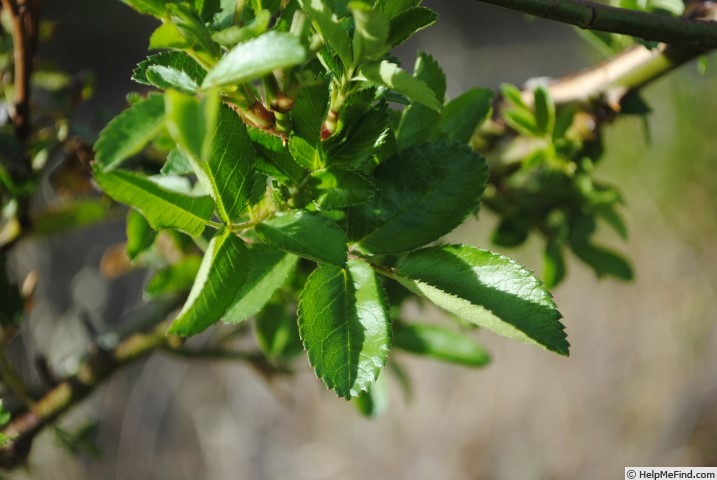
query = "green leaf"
x=255 y=58
x=274 y=157
x=522 y=121
x=222 y=157
x=513 y=95
x=150 y=7
x=166 y=77
x=544 y=110
x=396 y=7
x=193 y=28
x=140 y=235
x=223 y=270
x=161 y=207
x=612 y=218
x=465 y=113
x=370 y=40
x=391 y=76
x=174 y=279
x=488 y=290
x=336 y=188
x=333 y=33
x=277 y=333
x=374 y=402
x=305 y=154
x=553 y=265
x=345 y=326
x=603 y=261
x=423 y=193
x=269 y=270
x=440 y=343
x=5 y=416
x=207 y=8
x=310 y=110
x=188 y=123
x=129 y=132
x=168 y=35
x=176 y=164
x=360 y=141
x=409 y=22
x=307 y=235
x=171 y=69
x=231 y=165
x=418 y=122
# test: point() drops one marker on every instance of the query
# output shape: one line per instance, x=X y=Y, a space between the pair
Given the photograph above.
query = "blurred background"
x=640 y=385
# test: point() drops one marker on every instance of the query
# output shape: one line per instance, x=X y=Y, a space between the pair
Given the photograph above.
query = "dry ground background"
x=640 y=387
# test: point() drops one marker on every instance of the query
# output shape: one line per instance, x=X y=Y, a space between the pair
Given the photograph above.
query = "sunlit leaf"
x=269 y=270
x=161 y=207
x=307 y=235
x=488 y=290
x=390 y=75
x=255 y=58
x=223 y=270
x=345 y=326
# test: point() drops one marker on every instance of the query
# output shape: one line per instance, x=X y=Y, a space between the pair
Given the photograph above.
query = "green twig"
x=681 y=31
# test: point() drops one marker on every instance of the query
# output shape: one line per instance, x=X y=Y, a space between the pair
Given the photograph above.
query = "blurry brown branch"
x=24 y=15
x=104 y=357
x=686 y=32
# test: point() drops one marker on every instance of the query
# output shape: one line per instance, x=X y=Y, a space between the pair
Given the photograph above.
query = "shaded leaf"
x=345 y=326
x=440 y=343
x=603 y=261
x=336 y=188
x=409 y=22
x=418 y=122
x=309 y=112
x=360 y=141
x=553 y=265
x=176 y=278
x=223 y=270
x=129 y=132
x=277 y=333
x=465 y=113
x=423 y=193
x=307 y=235
x=488 y=290
x=140 y=235
x=274 y=157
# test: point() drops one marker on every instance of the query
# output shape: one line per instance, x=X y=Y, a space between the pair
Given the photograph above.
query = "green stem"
x=682 y=31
